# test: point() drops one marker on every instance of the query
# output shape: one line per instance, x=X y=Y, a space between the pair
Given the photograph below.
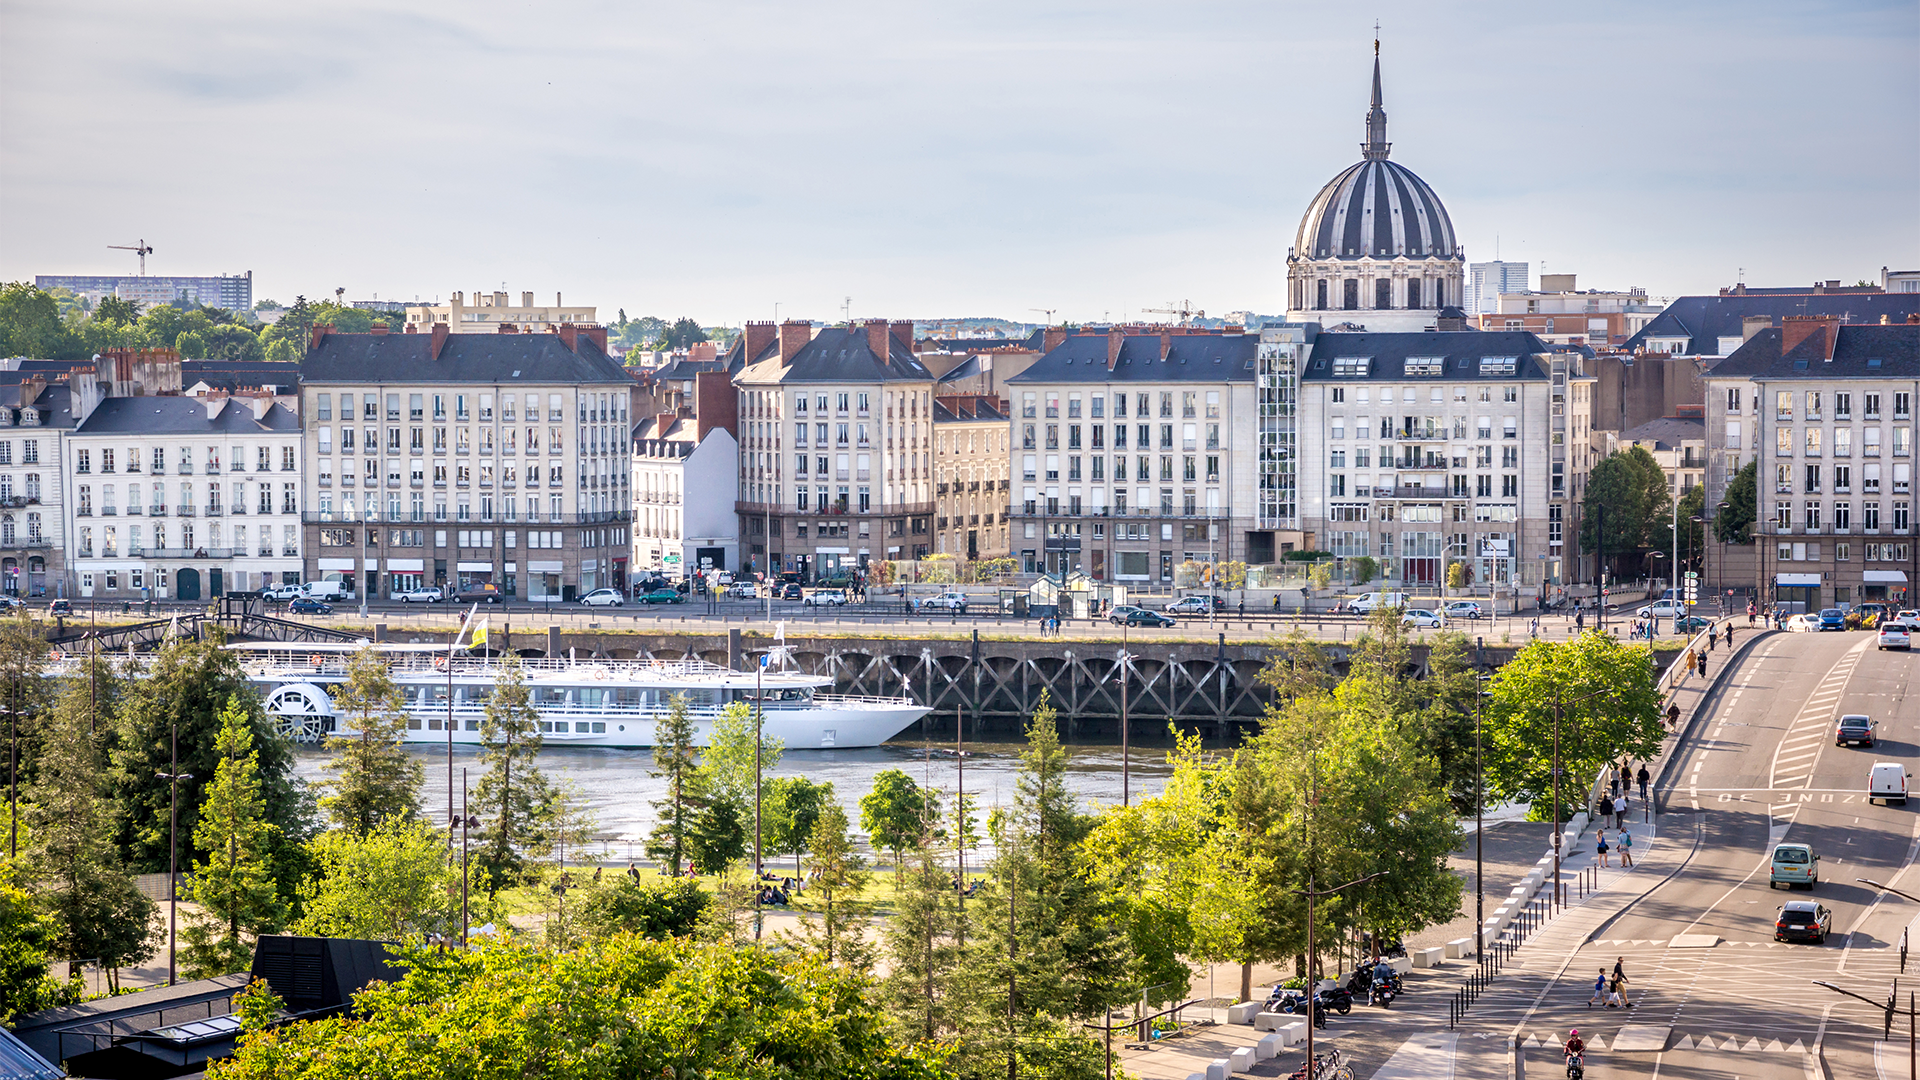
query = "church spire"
x=1376 y=147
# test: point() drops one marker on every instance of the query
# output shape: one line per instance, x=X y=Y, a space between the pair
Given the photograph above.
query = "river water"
x=618 y=790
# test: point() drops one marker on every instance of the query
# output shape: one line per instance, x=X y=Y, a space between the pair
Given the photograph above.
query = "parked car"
x=1142 y=617
x=1802 y=920
x=1802 y=624
x=1689 y=623
x=484 y=592
x=723 y=577
x=826 y=598
x=307 y=605
x=1853 y=728
x=1419 y=617
x=59 y=608
x=1119 y=614
x=1464 y=609
x=422 y=596
x=1895 y=635
x=946 y=601
x=1662 y=609
x=742 y=590
x=281 y=592
x=1196 y=605
x=1833 y=619
x=331 y=591
x=792 y=591
x=11 y=603
x=656 y=596
x=1366 y=602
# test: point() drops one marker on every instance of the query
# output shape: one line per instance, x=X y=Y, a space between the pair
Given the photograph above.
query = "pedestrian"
x=1673 y=715
x=1620 y=980
x=1606 y=809
x=1626 y=850
x=1613 y=780
x=1703 y=666
x=1599 y=989
x=1276 y=603
x=1579 y=620
x=1749 y=613
x=1600 y=846
x=1243 y=607
x=1643 y=777
x=1617 y=991
x=1620 y=808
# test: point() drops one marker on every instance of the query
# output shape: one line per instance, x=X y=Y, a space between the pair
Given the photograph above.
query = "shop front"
x=405 y=575
x=543 y=581
x=1796 y=594
x=1885 y=587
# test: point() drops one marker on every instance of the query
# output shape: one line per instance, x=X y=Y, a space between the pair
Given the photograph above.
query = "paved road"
x=1761 y=767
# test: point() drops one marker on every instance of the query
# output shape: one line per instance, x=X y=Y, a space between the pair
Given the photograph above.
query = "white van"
x=1366 y=602
x=1887 y=780
x=325 y=590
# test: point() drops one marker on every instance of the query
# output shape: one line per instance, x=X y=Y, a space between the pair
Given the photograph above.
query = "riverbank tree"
x=375 y=782
x=513 y=795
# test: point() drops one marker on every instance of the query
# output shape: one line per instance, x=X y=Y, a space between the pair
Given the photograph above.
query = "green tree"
x=677 y=762
x=622 y=1007
x=233 y=885
x=1734 y=523
x=283 y=352
x=657 y=910
x=923 y=945
x=97 y=910
x=391 y=882
x=839 y=878
x=731 y=765
x=26 y=936
x=30 y=325
x=895 y=811
x=1451 y=690
x=1609 y=708
x=232 y=342
x=1632 y=488
x=684 y=333
x=792 y=808
x=115 y=310
x=1365 y=568
x=190 y=346
x=375 y=780
x=24 y=693
x=513 y=793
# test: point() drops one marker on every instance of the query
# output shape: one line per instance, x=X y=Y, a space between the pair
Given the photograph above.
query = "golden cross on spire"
x=1376 y=37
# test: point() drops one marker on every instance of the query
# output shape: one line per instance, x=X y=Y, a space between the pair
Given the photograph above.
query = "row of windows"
x=1190 y=468
x=1816 y=517
x=210 y=541
x=1435 y=395
x=29 y=451
x=1415 y=458
x=1812 y=440
x=593 y=440
x=1812 y=402
x=1842 y=475
x=156 y=457
x=538 y=539
x=1143 y=438
x=906 y=402
x=460 y=472
x=263 y=498
x=604 y=408
x=1142 y=408
x=1435 y=428
x=1843 y=552
x=416 y=509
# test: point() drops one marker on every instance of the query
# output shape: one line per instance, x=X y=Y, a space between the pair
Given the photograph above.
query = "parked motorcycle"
x=1337 y=998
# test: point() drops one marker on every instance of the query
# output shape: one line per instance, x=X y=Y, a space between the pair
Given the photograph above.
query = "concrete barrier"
x=1242 y=1059
x=1401 y=964
x=1293 y=1034
x=1197 y=1076
x=1219 y=1069
x=1272 y=1021
x=1459 y=948
x=1242 y=1012
x=1268 y=1047
x=1428 y=958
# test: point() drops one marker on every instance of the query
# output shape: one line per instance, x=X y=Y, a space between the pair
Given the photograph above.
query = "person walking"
x=1703 y=665
x=1673 y=715
x=1600 y=846
x=1599 y=989
x=1613 y=780
x=1750 y=613
x=1621 y=809
x=1617 y=991
x=1606 y=809
x=1643 y=776
x=1620 y=980
x=1626 y=849
x=1243 y=607
x=1579 y=621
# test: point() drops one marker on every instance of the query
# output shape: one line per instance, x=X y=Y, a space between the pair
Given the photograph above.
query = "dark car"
x=59 y=607
x=1690 y=623
x=1853 y=729
x=1802 y=920
x=792 y=591
x=1143 y=617
x=307 y=605
x=663 y=596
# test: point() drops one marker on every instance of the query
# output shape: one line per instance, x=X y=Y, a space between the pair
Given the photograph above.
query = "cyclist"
x=1575 y=1048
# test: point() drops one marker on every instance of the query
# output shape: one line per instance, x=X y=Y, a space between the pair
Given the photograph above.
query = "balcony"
x=185 y=468
x=183 y=511
x=157 y=510
x=83 y=511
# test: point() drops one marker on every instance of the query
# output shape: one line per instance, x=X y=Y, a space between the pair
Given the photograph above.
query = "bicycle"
x=1328 y=1066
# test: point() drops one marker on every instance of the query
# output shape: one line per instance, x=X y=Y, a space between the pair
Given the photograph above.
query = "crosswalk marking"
x=1598 y=1043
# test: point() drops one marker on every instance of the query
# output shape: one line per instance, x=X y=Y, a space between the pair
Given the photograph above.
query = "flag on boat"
x=480 y=633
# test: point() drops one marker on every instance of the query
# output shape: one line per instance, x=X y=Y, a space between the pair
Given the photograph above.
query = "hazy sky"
x=940 y=159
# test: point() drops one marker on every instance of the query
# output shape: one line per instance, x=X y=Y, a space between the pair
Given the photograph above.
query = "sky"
x=738 y=160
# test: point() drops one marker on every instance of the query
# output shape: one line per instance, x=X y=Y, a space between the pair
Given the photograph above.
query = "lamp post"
x=1479 y=824
x=466 y=822
x=173 y=776
x=1656 y=619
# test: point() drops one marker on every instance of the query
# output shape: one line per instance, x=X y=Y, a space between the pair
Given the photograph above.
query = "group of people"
x=1610 y=990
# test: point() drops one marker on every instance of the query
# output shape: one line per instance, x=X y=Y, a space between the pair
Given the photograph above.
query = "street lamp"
x=1656 y=619
x=1479 y=824
x=173 y=776
x=466 y=822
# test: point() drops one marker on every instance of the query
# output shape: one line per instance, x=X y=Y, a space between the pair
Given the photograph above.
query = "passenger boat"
x=581 y=702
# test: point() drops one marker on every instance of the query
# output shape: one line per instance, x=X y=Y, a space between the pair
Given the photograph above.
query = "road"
x=1727 y=1000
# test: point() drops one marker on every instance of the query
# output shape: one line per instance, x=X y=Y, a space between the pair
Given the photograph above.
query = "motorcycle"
x=1380 y=993
x=1576 y=1066
x=1337 y=998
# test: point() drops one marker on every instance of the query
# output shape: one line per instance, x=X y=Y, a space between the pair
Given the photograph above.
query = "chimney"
x=556 y=300
x=379 y=328
x=499 y=299
x=904 y=332
x=318 y=334
x=716 y=404
x=1114 y=340
x=1166 y=343
x=456 y=299
x=526 y=299
x=877 y=339
x=506 y=328
x=409 y=328
x=794 y=336
x=759 y=336
x=1795 y=329
x=1052 y=338
x=1817 y=288
x=569 y=333
x=1753 y=324
x=261 y=402
x=597 y=335
x=439 y=345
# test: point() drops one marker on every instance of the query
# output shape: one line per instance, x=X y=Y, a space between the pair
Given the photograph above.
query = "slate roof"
x=184 y=416
x=238 y=374
x=1208 y=358
x=965 y=345
x=981 y=412
x=466 y=358
x=1896 y=349
x=1667 y=432
x=840 y=355
x=55 y=404
x=1461 y=351
x=1704 y=320
x=684 y=370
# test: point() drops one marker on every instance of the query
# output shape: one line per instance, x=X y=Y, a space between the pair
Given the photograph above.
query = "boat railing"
x=860 y=699
x=295 y=663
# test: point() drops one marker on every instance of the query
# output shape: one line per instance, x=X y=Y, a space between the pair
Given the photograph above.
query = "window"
x=1425 y=366
x=1813 y=441
x=1813 y=479
x=1783 y=442
x=1783 y=404
x=1842 y=406
x=1733 y=399
x=1352 y=367
x=324 y=405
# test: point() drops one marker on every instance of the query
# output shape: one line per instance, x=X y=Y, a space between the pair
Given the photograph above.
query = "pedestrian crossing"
x=1724 y=943
x=1705 y=1041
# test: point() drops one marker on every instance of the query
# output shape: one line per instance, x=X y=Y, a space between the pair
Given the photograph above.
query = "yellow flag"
x=480 y=634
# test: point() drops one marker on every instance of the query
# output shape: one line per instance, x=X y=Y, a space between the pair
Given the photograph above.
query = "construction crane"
x=1048 y=311
x=1186 y=311
x=141 y=249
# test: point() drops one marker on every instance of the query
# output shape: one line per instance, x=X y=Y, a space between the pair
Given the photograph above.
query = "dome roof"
x=1376 y=208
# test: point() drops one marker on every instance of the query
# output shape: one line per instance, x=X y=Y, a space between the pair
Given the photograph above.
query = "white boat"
x=581 y=702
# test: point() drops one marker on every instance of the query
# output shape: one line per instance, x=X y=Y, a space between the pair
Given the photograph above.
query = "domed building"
x=1376 y=248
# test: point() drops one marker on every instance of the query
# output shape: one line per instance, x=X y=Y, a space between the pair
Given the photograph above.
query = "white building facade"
x=684 y=491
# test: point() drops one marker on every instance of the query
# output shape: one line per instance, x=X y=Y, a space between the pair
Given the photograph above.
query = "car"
x=1833 y=619
x=826 y=598
x=1793 y=864
x=1853 y=728
x=1197 y=605
x=1143 y=617
x=1662 y=609
x=59 y=608
x=1464 y=609
x=946 y=601
x=1895 y=635
x=1420 y=617
x=1802 y=920
x=1802 y=624
x=612 y=598
x=1120 y=613
x=1366 y=602
x=1690 y=623
x=723 y=578
x=422 y=596
x=651 y=596
x=792 y=591
x=307 y=605
x=485 y=592
x=281 y=592
x=742 y=590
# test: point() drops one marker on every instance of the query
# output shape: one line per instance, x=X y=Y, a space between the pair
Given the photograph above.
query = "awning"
x=469 y=567
x=336 y=564
x=1801 y=581
x=1884 y=577
x=538 y=567
x=404 y=565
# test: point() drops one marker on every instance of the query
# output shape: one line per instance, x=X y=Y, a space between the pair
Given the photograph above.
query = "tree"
x=232 y=342
x=97 y=910
x=30 y=325
x=676 y=762
x=923 y=945
x=1632 y=488
x=1452 y=690
x=684 y=333
x=283 y=352
x=190 y=346
x=1365 y=569
x=793 y=805
x=375 y=780
x=115 y=310
x=1458 y=574
x=656 y=910
x=895 y=811
x=26 y=935
x=1609 y=706
x=732 y=764
x=512 y=792
x=233 y=884
x=24 y=694
x=390 y=882
x=1734 y=523
x=626 y=1006
x=839 y=877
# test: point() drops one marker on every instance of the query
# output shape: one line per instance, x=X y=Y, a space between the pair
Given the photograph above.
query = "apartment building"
x=1423 y=449
x=35 y=416
x=1826 y=409
x=1122 y=452
x=490 y=313
x=970 y=476
x=462 y=461
x=1562 y=316
x=1677 y=443
x=686 y=482
x=836 y=446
